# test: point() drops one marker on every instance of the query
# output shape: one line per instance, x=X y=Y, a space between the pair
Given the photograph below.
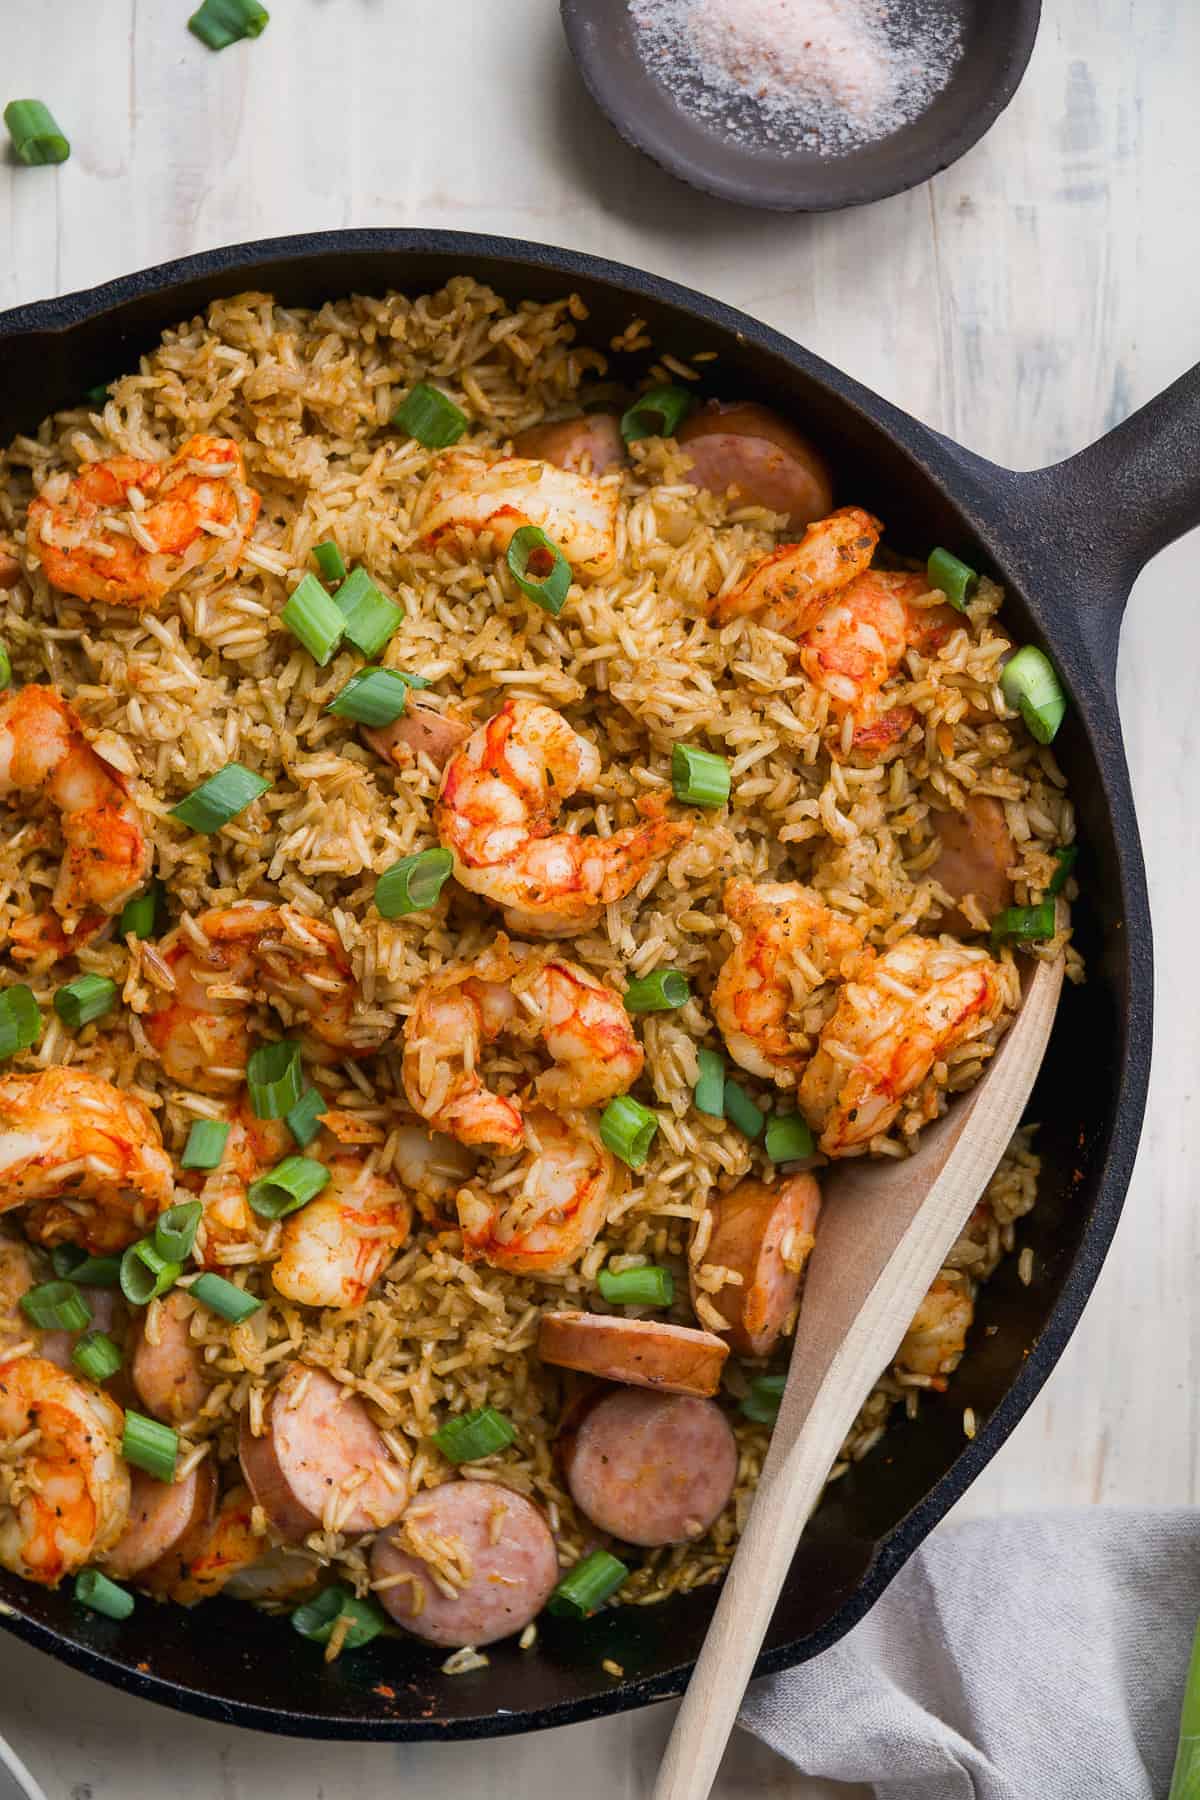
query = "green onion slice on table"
x=219 y=23
x=431 y=417
x=219 y=799
x=588 y=1585
x=85 y=999
x=36 y=135
x=628 y=1129
x=149 y=1445
x=1030 y=684
x=467 y=1437
x=650 y=1286
x=224 y=1297
x=413 y=884
x=275 y=1079
x=657 y=413
x=95 y=1591
x=56 y=1306
x=664 y=991
x=205 y=1144
x=539 y=568
x=20 y=1020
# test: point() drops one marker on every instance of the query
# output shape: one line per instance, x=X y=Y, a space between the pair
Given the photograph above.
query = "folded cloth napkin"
x=1023 y=1658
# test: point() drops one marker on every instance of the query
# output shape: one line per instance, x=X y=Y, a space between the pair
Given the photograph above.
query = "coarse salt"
x=830 y=75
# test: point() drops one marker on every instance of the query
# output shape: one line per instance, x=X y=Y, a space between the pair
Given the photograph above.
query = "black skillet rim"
x=953 y=472
x=676 y=143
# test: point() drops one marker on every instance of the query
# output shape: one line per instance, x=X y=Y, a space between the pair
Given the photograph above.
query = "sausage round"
x=507 y=1546
x=756 y=453
x=420 y=730
x=641 y=1352
x=169 y=1375
x=319 y=1439
x=754 y=1227
x=567 y=442
x=977 y=851
x=166 y=1518
x=652 y=1468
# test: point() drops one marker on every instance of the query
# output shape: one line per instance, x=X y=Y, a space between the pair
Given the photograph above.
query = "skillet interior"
x=226 y=1661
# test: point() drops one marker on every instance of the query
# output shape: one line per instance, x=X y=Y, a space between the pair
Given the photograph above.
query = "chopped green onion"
x=413 y=884
x=328 y=559
x=470 y=1436
x=219 y=23
x=1185 y=1777
x=741 y=1111
x=628 y=1128
x=224 y=1298
x=84 y=1000
x=1067 y=856
x=175 y=1230
x=650 y=1286
x=1025 y=924
x=5 y=668
x=762 y=1402
x=953 y=578
x=99 y=1594
x=539 y=568
x=290 y=1185
x=96 y=1355
x=1030 y=684
x=657 y=413
x=316 y=1619
x=699 y=777
x=205 y=1145
x=145 y=1274
x=275 y=1078
x=587 y=1586
x=56 y=1306
x=371 y=618
x=315 y=619
x=788 y=1138
x=709 y=1092
x=20 y=1020
x=68 y=1260
x=304 y=1119
x=150 y=1446
x=140 y=916
x=664 y=991
x=372 y=697
x=97 y=396
x=431 y=417
x=221 y=798
x=35 y=133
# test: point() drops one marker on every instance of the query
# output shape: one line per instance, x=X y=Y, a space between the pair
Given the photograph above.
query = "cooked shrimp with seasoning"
x=499 y=800
x=460 y=897
x=127 y=531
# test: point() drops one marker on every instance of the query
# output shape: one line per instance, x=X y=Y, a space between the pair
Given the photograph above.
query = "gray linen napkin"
x=1023 y=1658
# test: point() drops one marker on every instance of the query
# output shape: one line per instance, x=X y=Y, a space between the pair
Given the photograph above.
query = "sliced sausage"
x=166 y=1520
x=214 y=1555
x=321 y=1455
x=108 y=1315
x=500 y=1543
x=419 y=731
x=10 y=569
x=758 y=455
x=652 y=1468
x=643 y=1352
x=976 y=854
x=764 y=1234
x=169 y=1372
x=567 y=443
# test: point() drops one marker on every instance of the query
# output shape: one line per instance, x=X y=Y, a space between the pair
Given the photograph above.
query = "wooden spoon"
x=886 y=1229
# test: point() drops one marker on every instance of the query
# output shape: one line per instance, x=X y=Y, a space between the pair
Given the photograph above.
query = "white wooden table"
x=1022 y=302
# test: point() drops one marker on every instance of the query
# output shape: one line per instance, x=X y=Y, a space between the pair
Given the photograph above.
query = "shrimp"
x=88 y=1155
x=907 y=1011
x=541 y=1227
x=583 y=1025
x=790 y=589
x=222 y=1550
x=64 y=1490
x=934 y=1343
x=498 y=801
x=201 y=1030
x=228 y=1221
x=41 y=939
x=106 y=855
x=776 y=987
x=127 y=531
x=336 y=1247
x=468 y=495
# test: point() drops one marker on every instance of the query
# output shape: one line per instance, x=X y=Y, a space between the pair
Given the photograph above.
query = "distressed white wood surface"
x=1023 y=301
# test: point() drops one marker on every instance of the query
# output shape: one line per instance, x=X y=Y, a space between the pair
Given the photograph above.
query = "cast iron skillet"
x=1068 y=542
x=997 y=41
